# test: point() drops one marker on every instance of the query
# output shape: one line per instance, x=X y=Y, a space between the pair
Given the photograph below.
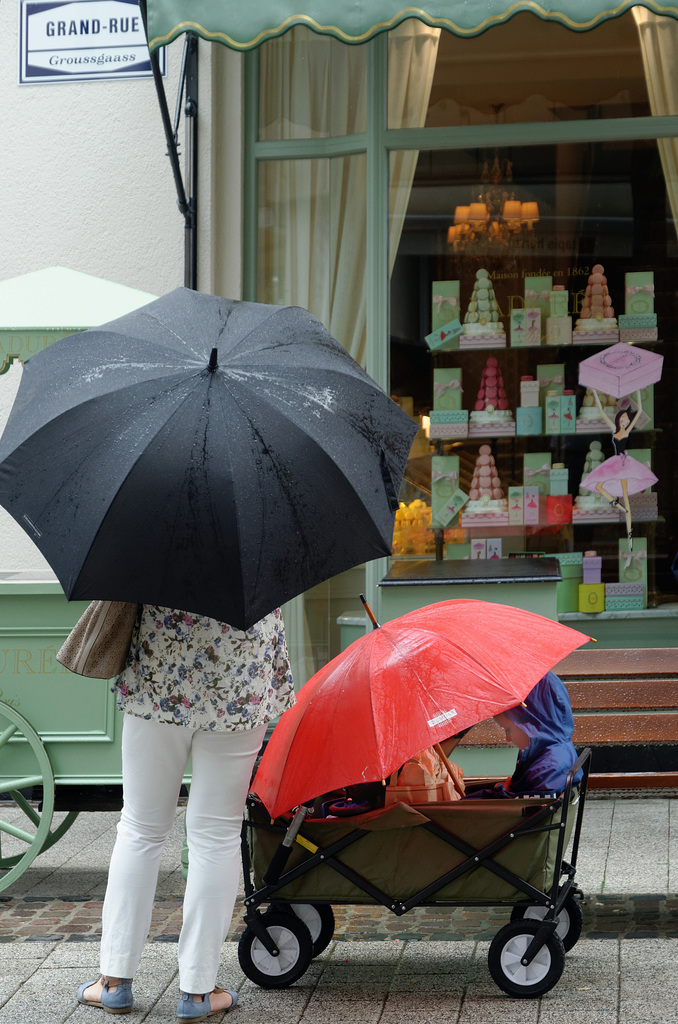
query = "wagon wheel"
x=34 y=835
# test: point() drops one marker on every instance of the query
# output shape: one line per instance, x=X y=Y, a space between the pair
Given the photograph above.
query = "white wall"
x=84 y=179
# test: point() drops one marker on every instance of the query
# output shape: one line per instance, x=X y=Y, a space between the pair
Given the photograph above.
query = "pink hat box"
x=621 y=369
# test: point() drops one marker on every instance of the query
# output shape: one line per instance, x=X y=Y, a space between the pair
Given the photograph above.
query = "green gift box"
x=444 y=303
x=633 y=564
x=448 y=415
x=447 y=391
x=591 y=597
x=444 y=482
x=518 y=328
x=446 y=338
x=567 y=591
x=558 y=302
x=537 y=470
x=538 y=294
x=558 y=330
x=528 y=421
x=639 y=292
x=551 y=377
x=458 y=552
x=558 y=480
x=516 y=497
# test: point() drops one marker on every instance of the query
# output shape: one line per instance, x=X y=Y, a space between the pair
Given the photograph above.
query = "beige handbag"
x=98 y=644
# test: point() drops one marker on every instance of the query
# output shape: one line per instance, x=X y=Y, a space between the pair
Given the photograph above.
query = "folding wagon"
x=480 y=853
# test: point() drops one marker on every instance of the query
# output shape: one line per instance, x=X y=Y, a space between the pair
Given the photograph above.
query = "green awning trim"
x=244 y=26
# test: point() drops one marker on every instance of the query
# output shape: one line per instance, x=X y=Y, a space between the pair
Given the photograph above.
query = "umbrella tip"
x=213 y=364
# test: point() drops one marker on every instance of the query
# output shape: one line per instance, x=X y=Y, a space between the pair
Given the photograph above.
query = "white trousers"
x=154 y=759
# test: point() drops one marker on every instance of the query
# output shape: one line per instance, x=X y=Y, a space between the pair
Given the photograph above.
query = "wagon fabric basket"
x=399 y=855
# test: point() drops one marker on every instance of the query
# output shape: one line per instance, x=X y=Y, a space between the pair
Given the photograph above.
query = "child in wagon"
x=542 y=729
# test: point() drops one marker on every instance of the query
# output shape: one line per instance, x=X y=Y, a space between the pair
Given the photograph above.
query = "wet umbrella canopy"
x=205 y=454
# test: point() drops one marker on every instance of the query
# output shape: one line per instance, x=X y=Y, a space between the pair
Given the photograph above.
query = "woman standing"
x=621 y=474
x=194 y=688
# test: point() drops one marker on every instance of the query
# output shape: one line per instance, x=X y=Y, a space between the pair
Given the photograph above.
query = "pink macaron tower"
x=597 y=311
x=486 y=485
x=491 y=394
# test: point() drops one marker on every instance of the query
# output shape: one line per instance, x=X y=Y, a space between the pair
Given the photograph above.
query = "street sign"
x=82 y=40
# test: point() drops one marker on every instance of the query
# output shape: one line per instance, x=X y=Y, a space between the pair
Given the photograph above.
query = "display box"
x=637 y=320
x=568 y=558
x=639 y=291
x=621 y=369
x=559 y=330
x=559 y=300
x=624 y=604
x=447 y=390
x=478 y=548
x=446 y=338
x=494 y=547
x=529 y=394
x=552 y=413
x=551 y=377
x=558 y=480
x=623 y=590
x=531 y=505
x=533 y=327
x=591 y=597
x=517 y=328
x=444 y=303
x=444 y=482
x=538 y=295
x=634 y=334
x=458 y=552
x=567 y=595
x=482 y=340
x=447 y=430
x=559 y=508
x=568 y=413
x=515 y=506
x=633 y=564
x=592 y=568
x=448 y=415
x=644 y=456
x=529 y=421
x=537 y=470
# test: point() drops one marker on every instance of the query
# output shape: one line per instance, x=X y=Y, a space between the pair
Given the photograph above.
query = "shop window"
x=584 y=206
x=533 y=70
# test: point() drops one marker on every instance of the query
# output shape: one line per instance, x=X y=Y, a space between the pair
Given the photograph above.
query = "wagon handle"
x=375 y=624
x=446 y=761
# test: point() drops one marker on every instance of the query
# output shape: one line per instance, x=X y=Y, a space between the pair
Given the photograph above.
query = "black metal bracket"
x=187 y=198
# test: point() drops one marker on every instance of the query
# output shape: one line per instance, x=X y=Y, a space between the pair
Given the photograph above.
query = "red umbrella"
x=408 y=684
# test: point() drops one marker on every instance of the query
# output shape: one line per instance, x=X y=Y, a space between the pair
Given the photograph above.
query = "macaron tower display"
x=597 y=324
x=491 y=416
x=482 y=327
x=589 y=419
x=486 y=495
x=592 y=499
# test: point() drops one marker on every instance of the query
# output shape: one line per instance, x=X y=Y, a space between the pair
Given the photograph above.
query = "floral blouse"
x=192 y=670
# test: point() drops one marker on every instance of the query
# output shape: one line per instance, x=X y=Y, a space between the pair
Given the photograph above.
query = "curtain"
x=312 y=212
x=659 y=45
x=313 y=239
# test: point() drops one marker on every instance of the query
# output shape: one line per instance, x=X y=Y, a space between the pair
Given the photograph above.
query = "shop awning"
x=243 y=26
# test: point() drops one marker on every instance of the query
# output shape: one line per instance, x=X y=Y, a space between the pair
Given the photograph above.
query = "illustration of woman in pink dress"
x=620 y=475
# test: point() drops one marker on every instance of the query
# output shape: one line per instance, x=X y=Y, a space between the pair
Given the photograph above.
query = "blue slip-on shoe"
x=120 y=1001
x=187 y=1009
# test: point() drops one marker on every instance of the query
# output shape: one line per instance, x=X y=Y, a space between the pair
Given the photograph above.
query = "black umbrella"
x=204 y=454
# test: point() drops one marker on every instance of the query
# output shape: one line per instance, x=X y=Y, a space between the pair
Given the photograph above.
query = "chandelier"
x=494 y=220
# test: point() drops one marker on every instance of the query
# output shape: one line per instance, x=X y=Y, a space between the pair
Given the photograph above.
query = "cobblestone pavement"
x=47 y=919
x=430 y=964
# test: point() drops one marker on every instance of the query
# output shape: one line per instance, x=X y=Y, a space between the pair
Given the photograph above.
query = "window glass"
x=311 y=253
x=532 y=70
x=311 y=86
x=579 y=208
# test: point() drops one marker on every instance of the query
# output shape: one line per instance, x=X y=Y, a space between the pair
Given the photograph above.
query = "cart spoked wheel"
x=295 y=946
x=318 y=918
x=505 y=954
x=570 y=920
x=23 y=838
